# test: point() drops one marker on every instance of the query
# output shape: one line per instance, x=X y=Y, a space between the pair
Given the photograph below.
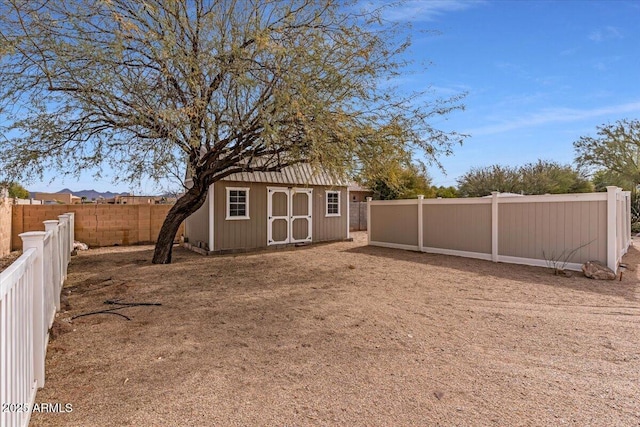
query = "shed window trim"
x=332 y=199
x=237 y=203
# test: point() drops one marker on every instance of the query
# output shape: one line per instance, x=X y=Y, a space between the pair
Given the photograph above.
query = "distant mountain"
x=89 y=194
x=93 y=194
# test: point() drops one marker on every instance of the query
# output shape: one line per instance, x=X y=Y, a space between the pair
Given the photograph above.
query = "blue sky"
x=538 y=74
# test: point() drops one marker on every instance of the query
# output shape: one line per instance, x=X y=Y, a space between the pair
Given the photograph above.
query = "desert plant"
x=558 y=262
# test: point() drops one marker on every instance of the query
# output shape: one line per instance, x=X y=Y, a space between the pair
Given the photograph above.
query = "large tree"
x=547 y=177
x=541 y=177
x=443 y=192
x=219 y=85
x=479 y=182
x=401 y=182
x=615 y=151
x=390 y=171
x=613 y=156
x=15 y=190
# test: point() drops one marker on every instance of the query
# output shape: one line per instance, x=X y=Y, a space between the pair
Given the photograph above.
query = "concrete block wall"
x=5 y=225
x=96 y=225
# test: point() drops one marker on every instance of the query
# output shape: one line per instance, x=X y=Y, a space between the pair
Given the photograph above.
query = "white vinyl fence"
x=566 y=229
x=27 y=202
x=29 y=298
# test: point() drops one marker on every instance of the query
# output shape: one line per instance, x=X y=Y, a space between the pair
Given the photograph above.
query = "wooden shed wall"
x=197 y=225
x=329 y=228
x=240 y=234
x=252 y=233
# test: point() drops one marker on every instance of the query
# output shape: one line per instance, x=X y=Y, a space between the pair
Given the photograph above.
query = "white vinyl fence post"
x=35 y=239
x=212 y=219
x=369 y=199
x=65 y=252
x=56 y=262
x=628 y=219
x=348 y=209
x=420 y=224
x=494 y=226
x=611 y=228
x=72 y=227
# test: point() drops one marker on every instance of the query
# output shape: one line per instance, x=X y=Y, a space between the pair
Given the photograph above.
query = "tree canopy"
x=446 y=192
x=221 y=85
x=401 y=182
x=542 y=177
x=615 y=152
x=603 y=178
x=480 y=182
x=15 y=190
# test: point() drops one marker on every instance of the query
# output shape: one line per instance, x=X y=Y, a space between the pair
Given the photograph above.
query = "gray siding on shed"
x=240 y=234
x=329 y=228
x=252 y=233
x=197 y=226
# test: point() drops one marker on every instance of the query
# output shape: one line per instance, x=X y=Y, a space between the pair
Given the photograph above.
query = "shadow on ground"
x=626 y=288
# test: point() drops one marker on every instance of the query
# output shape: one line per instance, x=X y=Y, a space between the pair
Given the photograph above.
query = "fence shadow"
x=521 y=273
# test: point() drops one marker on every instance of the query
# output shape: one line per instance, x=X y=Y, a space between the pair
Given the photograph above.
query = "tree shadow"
x=626 y=288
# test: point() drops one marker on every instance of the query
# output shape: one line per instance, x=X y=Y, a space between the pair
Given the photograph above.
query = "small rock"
x=438 y=394
x=79 y=246
x=595 y=270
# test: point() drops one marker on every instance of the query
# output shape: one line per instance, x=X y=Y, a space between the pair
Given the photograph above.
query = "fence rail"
x=29 y=298
x=568 y=229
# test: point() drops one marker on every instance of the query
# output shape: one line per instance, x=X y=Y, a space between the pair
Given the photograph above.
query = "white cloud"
x=606 y=33
x=600 y=66
x=553 y=115
x=606 y=63
x=420 y=10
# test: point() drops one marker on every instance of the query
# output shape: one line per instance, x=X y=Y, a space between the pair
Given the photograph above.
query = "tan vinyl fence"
x=568 y=229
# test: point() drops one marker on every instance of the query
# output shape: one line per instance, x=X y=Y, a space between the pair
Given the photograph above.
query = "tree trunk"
x=192 y=200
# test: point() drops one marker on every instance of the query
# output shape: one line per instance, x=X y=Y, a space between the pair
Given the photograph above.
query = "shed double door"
x=288 y=215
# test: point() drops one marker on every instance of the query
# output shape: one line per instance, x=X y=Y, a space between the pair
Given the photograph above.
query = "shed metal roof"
x=299 y=174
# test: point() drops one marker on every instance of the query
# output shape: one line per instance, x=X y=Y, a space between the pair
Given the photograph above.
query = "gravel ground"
x=8 y=259
x=341 y=334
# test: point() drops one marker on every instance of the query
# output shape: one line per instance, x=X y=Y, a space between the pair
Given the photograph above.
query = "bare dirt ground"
x=342 y=334
x=8 y=259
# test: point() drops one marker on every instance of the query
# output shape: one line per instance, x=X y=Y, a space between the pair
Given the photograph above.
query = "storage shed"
x=251 y=210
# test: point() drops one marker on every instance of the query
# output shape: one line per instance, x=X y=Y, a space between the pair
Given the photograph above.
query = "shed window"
x=237 y=203
x=333 y=203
